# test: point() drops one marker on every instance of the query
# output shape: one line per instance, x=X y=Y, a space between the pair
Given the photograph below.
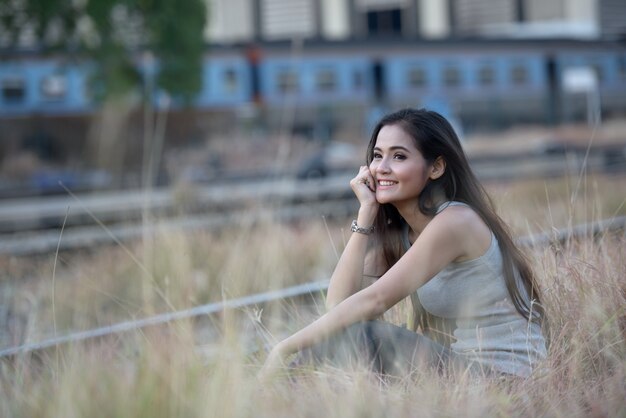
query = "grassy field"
x=162 y=372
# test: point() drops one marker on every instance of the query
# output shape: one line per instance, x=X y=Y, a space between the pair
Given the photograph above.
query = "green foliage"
x=115 y=35
x=175 y=42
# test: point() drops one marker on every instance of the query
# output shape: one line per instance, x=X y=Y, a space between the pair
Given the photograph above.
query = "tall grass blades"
x=207 y=367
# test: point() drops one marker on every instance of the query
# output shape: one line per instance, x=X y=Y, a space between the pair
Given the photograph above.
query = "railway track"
x=310 y=290
x=33 y=225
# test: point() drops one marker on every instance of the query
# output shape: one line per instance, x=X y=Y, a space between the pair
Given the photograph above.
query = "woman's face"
x=398 y=167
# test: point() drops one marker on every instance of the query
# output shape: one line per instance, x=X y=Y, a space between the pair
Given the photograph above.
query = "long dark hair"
x=434 y=137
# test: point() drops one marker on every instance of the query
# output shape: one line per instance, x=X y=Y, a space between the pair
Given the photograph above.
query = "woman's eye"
x=377 y=155
x=399 y=157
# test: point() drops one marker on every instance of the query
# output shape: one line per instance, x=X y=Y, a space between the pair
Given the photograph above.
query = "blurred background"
x=118 y=94
x=120 y=112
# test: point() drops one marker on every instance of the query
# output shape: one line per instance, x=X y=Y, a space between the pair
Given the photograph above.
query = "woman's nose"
x=383 y=166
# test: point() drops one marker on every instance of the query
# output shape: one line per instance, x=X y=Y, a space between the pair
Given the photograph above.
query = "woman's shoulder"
x=459 y=214
x=467 y=226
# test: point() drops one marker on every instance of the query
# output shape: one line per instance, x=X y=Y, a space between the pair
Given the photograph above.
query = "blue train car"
x=43 y=86
x=490 y=82
x=480 y=86
x=226 y=82
x=610 y=70
x=312 y=81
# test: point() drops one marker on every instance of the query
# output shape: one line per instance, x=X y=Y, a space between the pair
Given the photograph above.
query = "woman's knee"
x=354 y=342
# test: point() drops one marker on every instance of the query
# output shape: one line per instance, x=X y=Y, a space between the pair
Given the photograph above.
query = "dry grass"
x=537 y=206
x=161 y=372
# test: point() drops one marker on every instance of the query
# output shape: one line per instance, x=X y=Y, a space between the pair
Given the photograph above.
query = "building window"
x=451 y=76
x=287 y=81
x=384 y=22
x=417 y=78
x=519 y=75
x=53 y=87
x=326 y=81
x=13 y=89
x=230 y=80
x=486 y=76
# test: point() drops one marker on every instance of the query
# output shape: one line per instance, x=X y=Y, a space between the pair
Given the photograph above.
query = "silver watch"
x=356 y=228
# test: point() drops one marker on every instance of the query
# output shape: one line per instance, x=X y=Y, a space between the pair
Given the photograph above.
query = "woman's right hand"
x=364 y=188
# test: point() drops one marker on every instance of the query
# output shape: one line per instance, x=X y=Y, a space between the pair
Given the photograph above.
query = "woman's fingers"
x=364 y=176
x=363 y=185
x=371 y=183
x=367 y=177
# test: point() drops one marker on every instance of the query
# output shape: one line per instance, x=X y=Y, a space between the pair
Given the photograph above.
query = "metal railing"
x=219 y=205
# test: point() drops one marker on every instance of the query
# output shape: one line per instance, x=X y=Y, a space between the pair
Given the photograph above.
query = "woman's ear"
x=438 y=168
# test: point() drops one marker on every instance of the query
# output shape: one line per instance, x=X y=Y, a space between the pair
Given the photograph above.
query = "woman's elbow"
x=367 y=304
x=374 y=305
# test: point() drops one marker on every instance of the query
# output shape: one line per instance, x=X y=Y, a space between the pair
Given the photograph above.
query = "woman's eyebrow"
x=393 y=148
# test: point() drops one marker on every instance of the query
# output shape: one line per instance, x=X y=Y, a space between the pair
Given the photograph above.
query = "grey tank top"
x=489 y=329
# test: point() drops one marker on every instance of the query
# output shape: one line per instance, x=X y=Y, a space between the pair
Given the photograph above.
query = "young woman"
x=426 y=229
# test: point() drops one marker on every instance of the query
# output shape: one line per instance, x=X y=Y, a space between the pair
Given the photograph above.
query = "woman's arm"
x=348 y=275
x=347 y=278
x=442 y=241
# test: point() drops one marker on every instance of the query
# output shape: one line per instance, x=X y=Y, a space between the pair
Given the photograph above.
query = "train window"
x=230 y=80
x=287 y=81
x=519 y=75
x=486 y=76
x=326 y=80
x=13 y=89
x=451 y=76
x=417 y=78
x=53 y=86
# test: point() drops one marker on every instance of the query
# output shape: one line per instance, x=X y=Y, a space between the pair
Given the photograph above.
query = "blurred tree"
x=116 y=35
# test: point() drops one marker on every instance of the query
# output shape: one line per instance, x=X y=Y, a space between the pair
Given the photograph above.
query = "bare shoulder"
x=466 y=226
x=461 y=216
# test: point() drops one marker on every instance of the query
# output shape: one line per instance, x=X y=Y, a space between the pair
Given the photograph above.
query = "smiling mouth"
x=386 y=183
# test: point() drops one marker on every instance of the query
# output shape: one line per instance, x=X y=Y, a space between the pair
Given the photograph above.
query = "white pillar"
x=581 y=10
x=335 y=19
x=433 y=15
